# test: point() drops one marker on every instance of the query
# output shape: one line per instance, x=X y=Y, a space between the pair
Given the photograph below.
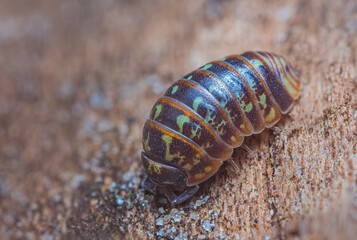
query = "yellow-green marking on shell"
x=232 y=116
x=199 y=175
x=158 y=111
x=174 y=89
x=262 y=100
x=224 y=103
x=288 y=86
x=239 y=96
x=292 y=91
x=146 y=144
x=168 y=156
x=271 y=115
x=220 y=129
x=194 y=132
x=154 y=167
x=206 y=146
x=181 y=120
x=257 y=63
x=209 y=118
x=247 y=107
x=196 y=160
x=211 y=88
x=207 y=66
x=196 y=103
x=188 y=166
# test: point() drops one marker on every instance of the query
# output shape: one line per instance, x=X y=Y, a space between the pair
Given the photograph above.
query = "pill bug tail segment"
x=194 y=127
x=286 y=76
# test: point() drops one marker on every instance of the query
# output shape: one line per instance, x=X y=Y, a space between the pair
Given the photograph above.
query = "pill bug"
x=202 y=117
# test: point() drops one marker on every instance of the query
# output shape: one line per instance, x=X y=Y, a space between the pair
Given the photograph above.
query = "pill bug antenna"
x=247 y=149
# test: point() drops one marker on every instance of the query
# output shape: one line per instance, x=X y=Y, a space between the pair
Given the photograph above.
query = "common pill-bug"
x=194 y=127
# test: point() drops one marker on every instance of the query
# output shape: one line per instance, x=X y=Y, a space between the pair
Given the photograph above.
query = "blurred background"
x=79 y=78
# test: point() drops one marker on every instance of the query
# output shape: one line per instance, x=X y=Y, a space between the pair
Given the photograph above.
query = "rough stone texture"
x=80 y=77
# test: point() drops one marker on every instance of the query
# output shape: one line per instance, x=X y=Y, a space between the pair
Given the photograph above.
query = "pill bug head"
x=282 y=68
x=166 y=180
x=161 y=175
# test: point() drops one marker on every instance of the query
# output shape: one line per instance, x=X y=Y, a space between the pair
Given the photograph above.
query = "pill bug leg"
x=234 y=164
x=148 y=185
x=174 y=199
x=247 y=149
x=276 y=130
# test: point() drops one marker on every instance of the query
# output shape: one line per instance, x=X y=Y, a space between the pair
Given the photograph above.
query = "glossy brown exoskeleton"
x=194 y=127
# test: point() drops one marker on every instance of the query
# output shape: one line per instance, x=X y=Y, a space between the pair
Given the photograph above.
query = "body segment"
x=194 y=127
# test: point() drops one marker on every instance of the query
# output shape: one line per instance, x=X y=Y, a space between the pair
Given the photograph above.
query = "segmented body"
x=204 y=115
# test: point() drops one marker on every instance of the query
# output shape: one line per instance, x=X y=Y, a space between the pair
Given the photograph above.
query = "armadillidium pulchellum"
x=203 y=116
